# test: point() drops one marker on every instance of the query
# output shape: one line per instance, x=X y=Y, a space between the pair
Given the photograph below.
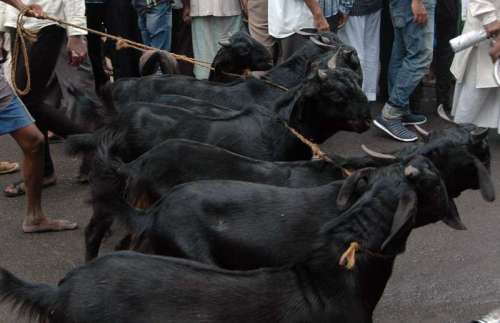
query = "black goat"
x=239 y=94
x=239 y=54
x=318 y=288
x=461 y=153
x=178 y=161
x=239 y=225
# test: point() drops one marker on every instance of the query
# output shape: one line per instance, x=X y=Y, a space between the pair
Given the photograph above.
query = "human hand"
x=77 y=50
x=342 y=21
x=35 y=11
x=244 y=6
x=419 y=12
x=321 y=23
x=493 y=28
x=495 y=49
x=186 y=14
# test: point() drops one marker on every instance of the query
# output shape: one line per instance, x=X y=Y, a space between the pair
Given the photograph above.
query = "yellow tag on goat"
x=348 y=259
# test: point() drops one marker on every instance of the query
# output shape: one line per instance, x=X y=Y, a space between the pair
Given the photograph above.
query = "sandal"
x=8 y=167
x=17 y=188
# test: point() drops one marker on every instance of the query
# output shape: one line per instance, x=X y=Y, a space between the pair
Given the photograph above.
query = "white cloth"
x=286 y=17
x=72 y=11
x=363 y=33
x=480 y=106
x=217 y=8
x=480 y=13
x=207 y=32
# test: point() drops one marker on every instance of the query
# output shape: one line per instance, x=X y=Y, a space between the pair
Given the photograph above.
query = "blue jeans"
x=411 y=53
x=156 y=26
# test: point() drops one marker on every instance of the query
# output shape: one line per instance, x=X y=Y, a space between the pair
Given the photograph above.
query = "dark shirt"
x=365 y=7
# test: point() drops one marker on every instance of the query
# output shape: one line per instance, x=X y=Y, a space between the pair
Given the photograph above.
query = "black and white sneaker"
x=395 y=129
x=413 y=118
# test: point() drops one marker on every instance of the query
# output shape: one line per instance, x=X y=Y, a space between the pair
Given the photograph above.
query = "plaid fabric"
x=332 y=7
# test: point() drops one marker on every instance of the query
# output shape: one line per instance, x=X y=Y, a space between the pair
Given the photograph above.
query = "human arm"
x=485 y=12
x=244 y=6
x=319 y=18
x=74 y=12
x=419 y=12
x=186 y=11
x=33 y=10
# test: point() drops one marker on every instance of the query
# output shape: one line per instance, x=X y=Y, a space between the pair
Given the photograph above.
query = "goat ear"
x=452 y=219
x=485 y=183
x=350 y=185
x=403 y=218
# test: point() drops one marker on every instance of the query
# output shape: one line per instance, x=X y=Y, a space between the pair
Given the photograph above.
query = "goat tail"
x=33 y=300
x=112 y=183
x=80 y=144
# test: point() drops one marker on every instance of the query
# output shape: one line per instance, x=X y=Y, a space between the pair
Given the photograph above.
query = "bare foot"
x=48 y=225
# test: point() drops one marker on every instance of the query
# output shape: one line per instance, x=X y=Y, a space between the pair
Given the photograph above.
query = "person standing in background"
x=287 y=17
x=118 y=18
x=362 y=31
x=16 y=121
x=447 y=17
x=211 y=22
x=155 y=22
x=413 y=22
x=477 y=94
x=182 y=40
x=43 y=55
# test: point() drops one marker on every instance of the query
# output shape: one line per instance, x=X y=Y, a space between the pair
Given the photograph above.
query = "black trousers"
x=42 y=56
x=386 y=40
x=182 y=42
x=447 y=18
x=116 y=17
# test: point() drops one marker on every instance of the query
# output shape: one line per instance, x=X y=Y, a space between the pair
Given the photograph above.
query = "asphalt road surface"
x=444 y=276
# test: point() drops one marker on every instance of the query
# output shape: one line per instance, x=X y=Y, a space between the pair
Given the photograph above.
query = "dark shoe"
x=395 y=129
x=413 y=118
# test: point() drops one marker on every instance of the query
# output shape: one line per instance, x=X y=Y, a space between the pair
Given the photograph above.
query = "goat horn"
x=421 y=130
x=322 y=74
x=319 y=43
x=411 y=171
x=332 y=63
x=442 y=114
x=375 y=154
x=325 y=40
x=225 y=42
x=479 y=132
x=306 y=33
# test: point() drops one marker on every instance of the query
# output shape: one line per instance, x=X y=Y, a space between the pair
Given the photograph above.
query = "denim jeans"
x=155 y=24
x=411 y=54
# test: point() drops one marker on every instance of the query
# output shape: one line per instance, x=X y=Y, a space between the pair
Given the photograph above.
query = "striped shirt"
x=332 y=7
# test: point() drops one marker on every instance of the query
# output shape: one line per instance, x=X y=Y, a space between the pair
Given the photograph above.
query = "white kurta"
x=363 y=33
x=477 y=95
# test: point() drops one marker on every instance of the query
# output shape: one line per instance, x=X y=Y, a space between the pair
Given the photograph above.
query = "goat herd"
x=229 y=216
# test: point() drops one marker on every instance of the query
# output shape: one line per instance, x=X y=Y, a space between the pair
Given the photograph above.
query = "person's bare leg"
x=31 y=141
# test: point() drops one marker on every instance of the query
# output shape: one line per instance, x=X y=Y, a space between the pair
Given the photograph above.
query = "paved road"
x=444 y=276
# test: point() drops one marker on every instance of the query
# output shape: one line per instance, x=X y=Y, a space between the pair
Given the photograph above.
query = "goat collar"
x=348 y=258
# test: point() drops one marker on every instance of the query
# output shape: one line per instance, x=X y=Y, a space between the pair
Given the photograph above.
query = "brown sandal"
x=8 y=167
